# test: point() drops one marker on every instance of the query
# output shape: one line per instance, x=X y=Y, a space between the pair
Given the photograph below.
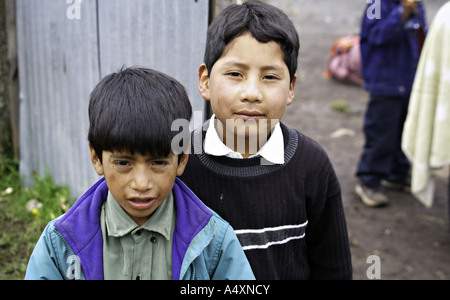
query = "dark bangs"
x=133 y=111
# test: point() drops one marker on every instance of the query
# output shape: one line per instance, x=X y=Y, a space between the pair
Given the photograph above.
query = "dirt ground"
x=411 y=241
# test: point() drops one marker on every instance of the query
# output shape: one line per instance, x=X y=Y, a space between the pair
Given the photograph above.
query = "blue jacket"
x=389 y=48
x=204 y=245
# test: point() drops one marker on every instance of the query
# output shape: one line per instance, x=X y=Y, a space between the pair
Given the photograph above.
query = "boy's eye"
x=121 y=163
x=234 y=74
x=270 y=77
x=159 y=163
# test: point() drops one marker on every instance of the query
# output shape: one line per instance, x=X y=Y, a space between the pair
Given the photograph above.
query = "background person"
x=390 y=50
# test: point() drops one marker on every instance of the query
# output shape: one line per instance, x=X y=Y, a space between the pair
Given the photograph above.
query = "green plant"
x=24 y=213
x=341 y=105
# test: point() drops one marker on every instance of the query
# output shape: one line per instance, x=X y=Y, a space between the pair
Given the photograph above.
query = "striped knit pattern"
x=289 y=218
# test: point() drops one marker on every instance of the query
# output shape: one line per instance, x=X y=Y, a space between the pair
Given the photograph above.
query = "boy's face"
x=249 y=83
x=140 y=184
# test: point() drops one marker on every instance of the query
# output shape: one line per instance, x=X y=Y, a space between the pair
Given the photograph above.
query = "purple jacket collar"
x=80 y=227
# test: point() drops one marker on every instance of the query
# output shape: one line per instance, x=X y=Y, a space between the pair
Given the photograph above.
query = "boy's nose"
x=251 y=90
x=142 y=181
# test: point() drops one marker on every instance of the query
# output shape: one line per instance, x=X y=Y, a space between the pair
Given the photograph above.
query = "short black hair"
x=133 y=111
x=265 y=22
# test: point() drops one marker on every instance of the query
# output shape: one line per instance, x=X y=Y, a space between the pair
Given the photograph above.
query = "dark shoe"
x=398 y=185
x=373 y=197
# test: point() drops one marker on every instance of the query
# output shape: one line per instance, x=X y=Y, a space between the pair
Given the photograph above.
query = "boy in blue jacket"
x=138 y=221
x=391 y=42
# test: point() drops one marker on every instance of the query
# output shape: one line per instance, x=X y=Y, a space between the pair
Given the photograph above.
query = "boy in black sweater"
x=275 y=186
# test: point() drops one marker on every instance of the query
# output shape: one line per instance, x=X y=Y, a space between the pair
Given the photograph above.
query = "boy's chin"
x=256 y=132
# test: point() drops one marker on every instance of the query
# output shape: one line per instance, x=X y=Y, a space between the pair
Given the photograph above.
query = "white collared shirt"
x=272 y=150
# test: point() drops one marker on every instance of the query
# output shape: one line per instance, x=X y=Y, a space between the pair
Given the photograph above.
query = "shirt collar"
x=119 y=223
x=272 y=150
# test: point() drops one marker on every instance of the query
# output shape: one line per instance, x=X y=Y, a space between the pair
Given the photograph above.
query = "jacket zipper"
x=192 y=271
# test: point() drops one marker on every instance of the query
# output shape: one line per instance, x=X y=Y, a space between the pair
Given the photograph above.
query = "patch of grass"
x=21 y=226
x=436 y=220
x=341 y=105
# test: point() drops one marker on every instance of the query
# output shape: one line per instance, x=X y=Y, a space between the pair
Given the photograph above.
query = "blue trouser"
x=382 y=156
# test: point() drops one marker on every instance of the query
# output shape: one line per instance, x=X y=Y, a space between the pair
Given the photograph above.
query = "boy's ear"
x=182 y=164
x=291 y=95
x=203 y=82
x=96 y=161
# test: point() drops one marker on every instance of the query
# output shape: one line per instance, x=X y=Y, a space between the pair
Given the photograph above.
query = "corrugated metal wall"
x=66 y=46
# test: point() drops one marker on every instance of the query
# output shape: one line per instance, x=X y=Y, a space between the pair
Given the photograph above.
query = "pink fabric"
x=346 y=65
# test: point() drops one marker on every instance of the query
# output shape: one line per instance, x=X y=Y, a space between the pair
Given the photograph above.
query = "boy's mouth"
x=249 y=115
x=141 y=203
x=141 y=200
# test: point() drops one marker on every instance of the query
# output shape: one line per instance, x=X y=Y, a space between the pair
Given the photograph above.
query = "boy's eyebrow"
x=118 y=155
x=233 y=63
x=129 y=156
x=272 y=68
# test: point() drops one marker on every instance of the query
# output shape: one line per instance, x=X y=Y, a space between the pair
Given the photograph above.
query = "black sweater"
x=289 y=218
